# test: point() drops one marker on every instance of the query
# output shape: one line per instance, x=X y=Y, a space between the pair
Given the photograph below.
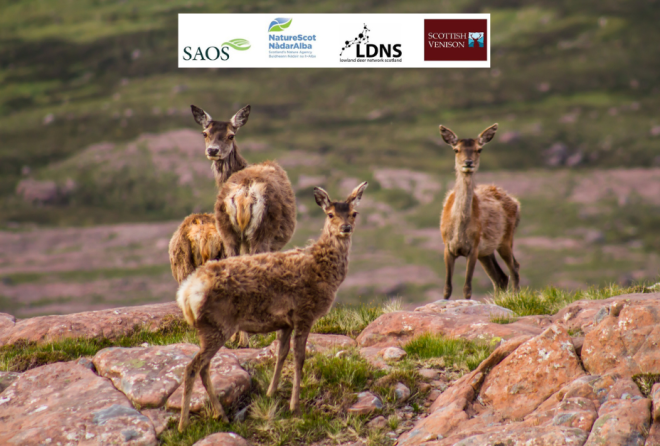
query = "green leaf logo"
x=279 y=24
x=238 y=44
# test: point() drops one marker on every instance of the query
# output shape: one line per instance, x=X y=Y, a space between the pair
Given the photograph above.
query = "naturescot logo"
x=365 y=51
x=279 y=24
x=455 y=39
x=215 y=53
x=286 y=45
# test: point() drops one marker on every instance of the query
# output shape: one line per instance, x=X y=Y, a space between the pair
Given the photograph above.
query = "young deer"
x=255 y=210
x=477 y=221
x=278 y=291
x=195 y=242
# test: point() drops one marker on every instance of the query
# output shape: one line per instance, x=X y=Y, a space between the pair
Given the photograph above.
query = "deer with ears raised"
x=255 y=210
x=276 y=291
x=477 y=221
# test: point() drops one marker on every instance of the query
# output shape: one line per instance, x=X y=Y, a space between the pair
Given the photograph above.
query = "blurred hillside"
x=95 y=129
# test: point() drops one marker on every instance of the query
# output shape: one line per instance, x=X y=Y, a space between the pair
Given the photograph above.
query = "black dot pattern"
x=363 y=37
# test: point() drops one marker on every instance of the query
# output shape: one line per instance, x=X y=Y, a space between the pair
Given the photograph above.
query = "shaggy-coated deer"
x=195 y=242
x=277 y=291
x=476 y=221
x=255 y=210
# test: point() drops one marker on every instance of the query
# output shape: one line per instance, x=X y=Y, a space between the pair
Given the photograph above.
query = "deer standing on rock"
x=277 y=291
x=477 y=221
x=255 y=210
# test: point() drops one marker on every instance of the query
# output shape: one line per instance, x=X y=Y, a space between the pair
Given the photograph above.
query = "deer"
x=476 y=221
x=255 y=210
x=262 y=293
x=195 y=242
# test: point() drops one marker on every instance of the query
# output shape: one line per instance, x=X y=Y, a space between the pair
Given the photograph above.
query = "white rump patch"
x=190 y=296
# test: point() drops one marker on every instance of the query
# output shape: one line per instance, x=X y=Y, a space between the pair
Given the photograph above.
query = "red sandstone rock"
x=250 y=355
x=468 y=321
x=655 y=396
x=66 y=403
x=7 y=322
x=517 y=435
x=627 y=340
x=527 y=377
x=146 y=375
x=654 y=435
x=109 y=324
x=159 y=418
x=229 y=379
x=367 y=402
x=624 y=418
x=7 y=378
x=222 y=439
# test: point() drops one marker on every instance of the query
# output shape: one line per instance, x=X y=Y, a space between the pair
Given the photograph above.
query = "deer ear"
x=322 y=198
x=201 y=117
x=449 y=136
x=487 y=134
x=241 y=117
x=356 y=195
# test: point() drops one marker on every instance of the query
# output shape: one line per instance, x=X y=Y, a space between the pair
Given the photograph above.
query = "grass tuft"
x=503 y=319
x=24 y=356
x=351 y=320
x=645 y=382
x=457 y=353
x=550 y=300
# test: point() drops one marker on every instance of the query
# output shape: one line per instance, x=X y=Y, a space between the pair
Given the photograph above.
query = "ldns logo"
x=366 y=50
x=215 y=53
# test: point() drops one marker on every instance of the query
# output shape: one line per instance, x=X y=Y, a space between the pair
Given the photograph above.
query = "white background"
x=332 y=30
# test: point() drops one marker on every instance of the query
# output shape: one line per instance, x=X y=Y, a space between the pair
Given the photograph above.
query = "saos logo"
x=215 y=53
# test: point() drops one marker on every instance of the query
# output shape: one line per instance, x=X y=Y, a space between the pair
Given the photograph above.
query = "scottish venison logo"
x=279 y=24
x=476 y=37
x=213 y=52
x=366 y=51
x=455 y=39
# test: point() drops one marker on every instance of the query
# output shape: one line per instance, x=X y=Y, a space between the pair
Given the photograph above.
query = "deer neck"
x=331 y=258
x=463 y=195
x=224 y=168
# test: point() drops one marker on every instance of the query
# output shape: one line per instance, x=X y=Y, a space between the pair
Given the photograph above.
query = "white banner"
x=334 y=41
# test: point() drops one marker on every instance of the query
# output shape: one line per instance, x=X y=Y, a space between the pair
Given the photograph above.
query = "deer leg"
x=469 y=271
x=514 y=267
x=190 y=374
x=243 y=339
x=284 y=338
x=494 y=272
x=210 y=349
x=299 y=343
x=450 y=259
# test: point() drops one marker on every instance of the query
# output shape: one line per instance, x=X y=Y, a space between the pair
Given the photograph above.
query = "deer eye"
x=478 y=150
x=455 y=150
x=205 y=134
x=355 y=214
x=331 y=215
x=231 y=136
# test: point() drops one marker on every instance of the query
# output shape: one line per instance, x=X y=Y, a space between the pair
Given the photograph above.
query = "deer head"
x=340 y=214
x=219 y=135
x=468 y=150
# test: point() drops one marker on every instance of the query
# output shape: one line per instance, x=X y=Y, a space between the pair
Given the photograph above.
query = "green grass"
x=550 y=300
x=503 y=319
x=351 y=320
x=329 y=386
x=645 y=382
x=27 y=355
x=457 y=353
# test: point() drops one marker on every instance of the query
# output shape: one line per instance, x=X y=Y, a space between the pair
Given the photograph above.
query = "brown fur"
x=278 y=291
x=477 y=221
x=255 y=209
x=194 y=243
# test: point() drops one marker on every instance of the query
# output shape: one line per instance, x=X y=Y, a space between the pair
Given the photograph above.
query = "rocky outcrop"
x=230 y=382
x=626 y=339
x=222 y=439
x=464 y=319
x=146 y=375
x=109 y=324
x=66 y=403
